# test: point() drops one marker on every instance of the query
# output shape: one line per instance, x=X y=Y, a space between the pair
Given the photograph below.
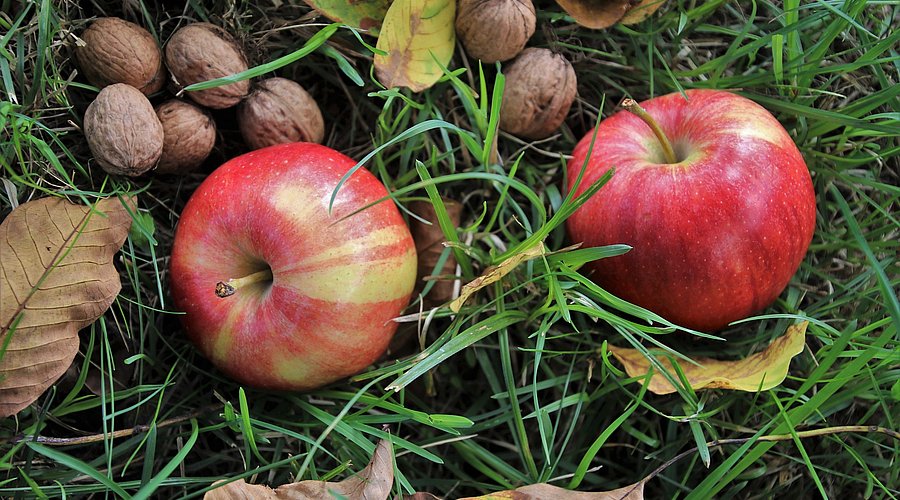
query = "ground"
x=533 y=400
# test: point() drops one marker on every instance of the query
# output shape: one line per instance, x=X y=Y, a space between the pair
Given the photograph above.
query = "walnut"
x=123 y=131
x=494 y=30
x=189 y=134
x=540 y=89
x=118 y=51
x=203 y=51
x=278 y=111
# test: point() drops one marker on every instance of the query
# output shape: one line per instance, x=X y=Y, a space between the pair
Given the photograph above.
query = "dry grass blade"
x=494 y=274
x=57 y=277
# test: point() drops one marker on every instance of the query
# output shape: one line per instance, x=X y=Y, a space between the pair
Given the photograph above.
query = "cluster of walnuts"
x=128 y=136
x=540 y=84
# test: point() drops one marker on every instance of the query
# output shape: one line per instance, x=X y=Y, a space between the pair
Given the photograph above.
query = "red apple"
x=276 y=291
x=717 y=233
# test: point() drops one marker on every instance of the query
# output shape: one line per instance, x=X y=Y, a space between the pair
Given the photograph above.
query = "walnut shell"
x=278 y=111
x=123 y=131
x=189 y=134
x=540 y=89
x=494 y=30
x=118 y=51
x=203 y=51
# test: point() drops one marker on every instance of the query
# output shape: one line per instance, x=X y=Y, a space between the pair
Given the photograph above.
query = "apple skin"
x=715 y=237
x=326 y=313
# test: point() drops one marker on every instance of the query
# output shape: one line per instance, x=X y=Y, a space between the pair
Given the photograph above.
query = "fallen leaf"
x=418 y=37
x=597 y=14
x=420 y=495
x=56 y=261
x=372 y=483
x=429 y=240
x=548 y=492
x=641 y=11
x=761 y=371
x=494 y=274
x=363 y=14
x=240 y=490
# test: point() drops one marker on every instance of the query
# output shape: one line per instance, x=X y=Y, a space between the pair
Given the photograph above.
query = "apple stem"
x=227 y=288
x=633 y=107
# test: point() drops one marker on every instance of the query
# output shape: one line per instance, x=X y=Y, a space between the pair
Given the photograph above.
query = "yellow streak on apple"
x=222 y=344
x=359 y=283
x=368 y=285
x=385 y=235
x=752 y=121
x=354 y=282
x=299 y=202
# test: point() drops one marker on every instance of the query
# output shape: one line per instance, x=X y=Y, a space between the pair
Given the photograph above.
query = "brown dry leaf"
x=494 y=274
x=597 y=14
x=56 y=262
x=420 y=495
x=642 y=11
x=761 y=371
x=547 y=492
x=429 y=246
x=240 y=490
x=372 y=483
x=418 y=37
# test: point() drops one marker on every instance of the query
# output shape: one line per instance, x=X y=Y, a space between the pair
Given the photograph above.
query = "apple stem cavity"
x=633 y=107
x=227 y=288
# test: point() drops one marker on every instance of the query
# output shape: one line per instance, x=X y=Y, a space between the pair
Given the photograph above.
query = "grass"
x=517 y=388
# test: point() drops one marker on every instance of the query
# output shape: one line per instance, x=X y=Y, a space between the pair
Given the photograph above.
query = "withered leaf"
x=429 y=239
x=761 y=371
x=372 y=483
x=641 y=11
x=56 y=277
x=418 y=36
x=494 y=274
x=597 y=14
x=363 y=14
x=548 y=492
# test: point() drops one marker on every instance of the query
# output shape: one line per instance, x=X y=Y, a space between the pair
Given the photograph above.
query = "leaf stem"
x=633 y=107
x=227 y=288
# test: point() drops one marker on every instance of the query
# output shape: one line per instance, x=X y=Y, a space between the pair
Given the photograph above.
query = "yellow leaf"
x=418 y=37
x=548 y=492
x=494 y=274
x=363 y=14
x=761 y=371
x=56 y=277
